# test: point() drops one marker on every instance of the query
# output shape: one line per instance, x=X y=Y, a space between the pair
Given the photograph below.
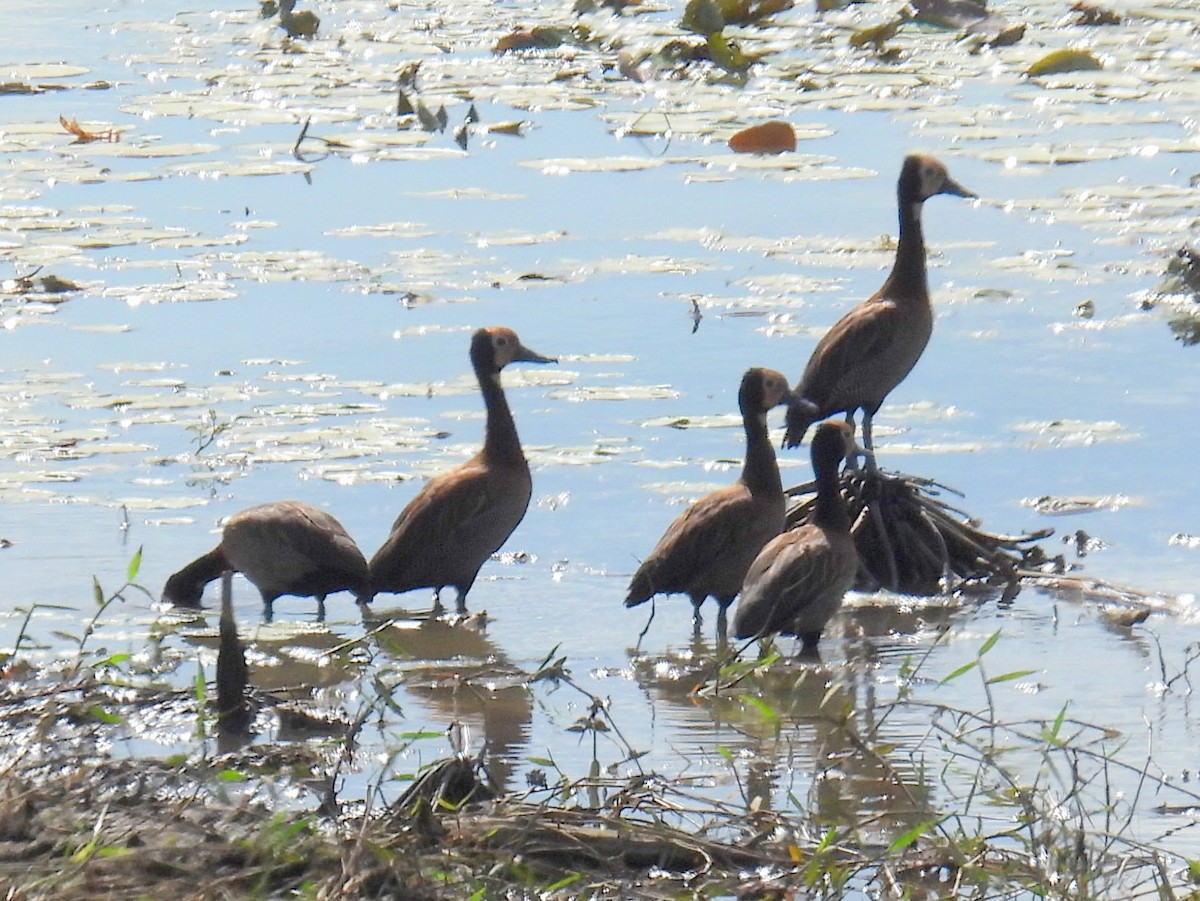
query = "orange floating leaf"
x=775 y=136
x=83 y=136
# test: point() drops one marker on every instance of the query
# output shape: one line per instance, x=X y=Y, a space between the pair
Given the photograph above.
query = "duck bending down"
x=463 y=516
x=870 y=350
x=706 y=550
x=286 y=547
x=796 y=584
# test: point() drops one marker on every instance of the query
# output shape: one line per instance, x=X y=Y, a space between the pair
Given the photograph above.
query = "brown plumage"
x=463 y=516
x=797 y=583
x=870 y=350
x=706 y=550
x=286 y=547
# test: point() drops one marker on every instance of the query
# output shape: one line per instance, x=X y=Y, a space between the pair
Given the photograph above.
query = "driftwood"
x=911 y=541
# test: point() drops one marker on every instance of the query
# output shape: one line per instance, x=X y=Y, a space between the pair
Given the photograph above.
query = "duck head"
x=832 y=443
x=495 y=347
x=762 y=390
x=922 y=177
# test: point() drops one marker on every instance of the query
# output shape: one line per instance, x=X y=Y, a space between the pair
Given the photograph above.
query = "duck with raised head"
x=285 y=547
x=870 y=350
x=796 y=584
x=706 y=550
x=463 y=516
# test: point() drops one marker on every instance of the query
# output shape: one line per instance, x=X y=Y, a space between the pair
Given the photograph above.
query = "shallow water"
x=335 y=357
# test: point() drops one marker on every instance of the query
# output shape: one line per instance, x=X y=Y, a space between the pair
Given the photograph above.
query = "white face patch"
x=932 y=179
x=503 y=350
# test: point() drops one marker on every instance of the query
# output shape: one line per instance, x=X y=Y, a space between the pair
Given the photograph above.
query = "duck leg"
x=868 y=446
x=646 y=628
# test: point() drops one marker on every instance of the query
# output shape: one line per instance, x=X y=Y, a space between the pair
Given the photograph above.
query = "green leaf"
x=199 y=686
x=135 y=564
x=765 y=710
x=228 y=775
x=965 y=668
x=542 y=761
x=1008 y=677
x=725 y=752
x=826 y=841
x=1051 y=734
x=903 y=841
x=414 y=736
x=990 y=643
x=103 y=716
x=115 y=659
x=703 y=17
x=562 y=883
x=727 y=54
x=97 y=592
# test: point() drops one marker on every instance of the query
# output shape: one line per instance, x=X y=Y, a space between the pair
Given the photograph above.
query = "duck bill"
x=524 y=355
x=950 y=186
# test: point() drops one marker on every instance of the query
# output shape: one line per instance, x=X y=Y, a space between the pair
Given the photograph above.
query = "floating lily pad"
x=36 y=71
x=1064 y=506
x=565 y=166
x=1073 y=433
x=384 y=230
x=581 y=393
x=1065 y=61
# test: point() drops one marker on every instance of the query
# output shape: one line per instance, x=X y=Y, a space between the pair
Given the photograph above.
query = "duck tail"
x=801 y=413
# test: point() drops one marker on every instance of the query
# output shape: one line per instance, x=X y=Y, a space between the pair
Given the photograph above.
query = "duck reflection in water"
x=460 y=676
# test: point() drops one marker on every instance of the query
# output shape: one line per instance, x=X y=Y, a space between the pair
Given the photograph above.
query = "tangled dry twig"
x=910 y=540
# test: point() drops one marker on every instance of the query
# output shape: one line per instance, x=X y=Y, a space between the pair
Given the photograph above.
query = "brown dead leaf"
x=540 y=37
x=83 y=136
x=775 y=136
x=52 y=284
x=876 y=35
x=1095 y=15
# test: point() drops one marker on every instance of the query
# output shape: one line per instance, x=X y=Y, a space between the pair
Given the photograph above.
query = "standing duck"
x=797 y=583
x=707 y=549
x=286 y=547
x=870 y=350
x=461 y=517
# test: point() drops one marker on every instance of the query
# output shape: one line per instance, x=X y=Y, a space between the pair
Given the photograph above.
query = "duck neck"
x=831 y=510
x=909 y=268
x=198 y=573
x=760 y=472
x=500 y=443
